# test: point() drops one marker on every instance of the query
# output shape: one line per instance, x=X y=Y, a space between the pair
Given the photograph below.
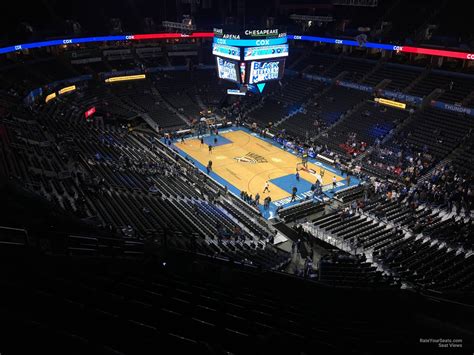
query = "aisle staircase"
x=155 y=92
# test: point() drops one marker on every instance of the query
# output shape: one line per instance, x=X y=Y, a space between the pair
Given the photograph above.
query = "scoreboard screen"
x=250 y=57
x=267 y=52
x=261 y=71
x=228 y=70
x=224 y=51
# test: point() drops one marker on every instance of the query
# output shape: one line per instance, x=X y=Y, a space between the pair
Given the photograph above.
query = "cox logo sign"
x=398 y=48
x=470 y=56
x=129 y=37
x=67 y=41
x=338 y=41
x=17 y=48
x=262 y=42
x=296 y=37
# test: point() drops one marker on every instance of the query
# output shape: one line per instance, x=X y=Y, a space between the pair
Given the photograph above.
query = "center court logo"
x=251 y=158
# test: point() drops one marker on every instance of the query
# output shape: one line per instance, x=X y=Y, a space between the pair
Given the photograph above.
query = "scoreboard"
x=250 y=57
x=263 y=71
x=228 y=70
x=225 y=51
x=266 y=52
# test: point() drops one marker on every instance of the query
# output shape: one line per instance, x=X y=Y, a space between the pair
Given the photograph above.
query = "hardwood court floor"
x=246 y=162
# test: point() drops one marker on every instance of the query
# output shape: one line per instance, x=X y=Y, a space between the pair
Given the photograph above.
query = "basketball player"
x=266 y=187
x=210 y=148
x=294 y=190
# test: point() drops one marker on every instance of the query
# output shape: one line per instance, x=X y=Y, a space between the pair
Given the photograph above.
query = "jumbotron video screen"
x=250 y=58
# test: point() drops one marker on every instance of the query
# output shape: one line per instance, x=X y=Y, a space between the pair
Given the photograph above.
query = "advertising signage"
x=249 y=33
x=266 y=52
x=249 y=38
x=222 y=50
x=250 y=42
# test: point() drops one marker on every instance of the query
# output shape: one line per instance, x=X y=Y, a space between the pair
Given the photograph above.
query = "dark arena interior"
x=236 y=177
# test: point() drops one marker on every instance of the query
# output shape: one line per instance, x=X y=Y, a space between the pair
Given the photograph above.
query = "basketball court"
x=244 y=161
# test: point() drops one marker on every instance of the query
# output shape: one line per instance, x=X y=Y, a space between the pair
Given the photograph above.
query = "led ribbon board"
x=125 y=78
x=170 y=35
x=58 y=42
x=222 y=50
x=67 y=89
x=388 y=47
x=266 y=52
x=50 y=97
x=390 y=103
x=238 y=43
